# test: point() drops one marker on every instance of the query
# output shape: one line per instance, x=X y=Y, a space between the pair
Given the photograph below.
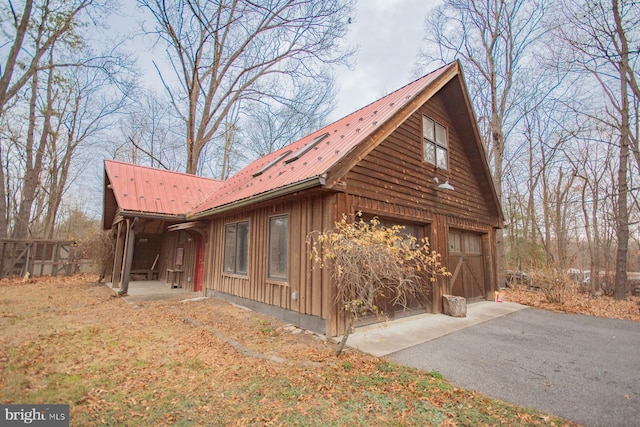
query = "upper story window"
x=236 y=248
x=436 y=144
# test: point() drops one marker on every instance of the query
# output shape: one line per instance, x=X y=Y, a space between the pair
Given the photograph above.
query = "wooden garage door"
x=466 y=264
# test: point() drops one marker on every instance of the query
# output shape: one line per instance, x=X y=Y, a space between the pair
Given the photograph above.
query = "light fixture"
x=444 y=186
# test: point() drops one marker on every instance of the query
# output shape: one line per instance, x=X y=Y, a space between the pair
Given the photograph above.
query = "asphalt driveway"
x=583 y=368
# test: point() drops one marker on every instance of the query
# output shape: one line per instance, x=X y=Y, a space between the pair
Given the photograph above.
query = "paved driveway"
x=583 y=368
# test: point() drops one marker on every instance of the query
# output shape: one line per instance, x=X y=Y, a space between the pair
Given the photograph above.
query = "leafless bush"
x=99 y=247
x=370 y=261
x=555 y=285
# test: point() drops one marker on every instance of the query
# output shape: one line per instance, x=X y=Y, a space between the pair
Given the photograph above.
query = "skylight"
x=271 y=163
x=307 y=147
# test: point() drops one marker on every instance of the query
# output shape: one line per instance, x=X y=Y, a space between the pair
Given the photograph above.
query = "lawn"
x=206 y=362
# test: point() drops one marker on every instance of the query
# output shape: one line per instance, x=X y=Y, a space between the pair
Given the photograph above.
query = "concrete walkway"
x=382 y=339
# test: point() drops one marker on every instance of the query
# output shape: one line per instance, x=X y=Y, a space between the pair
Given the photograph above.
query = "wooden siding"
x=395 y=173
x=174 y=240
x=306 y=214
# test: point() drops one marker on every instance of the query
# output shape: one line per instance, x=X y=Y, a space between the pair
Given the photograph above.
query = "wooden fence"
x=36 y=257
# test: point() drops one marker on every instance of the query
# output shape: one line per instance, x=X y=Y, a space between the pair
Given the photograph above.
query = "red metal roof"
x=303 y=163
x=144 y=189
x=343 y=136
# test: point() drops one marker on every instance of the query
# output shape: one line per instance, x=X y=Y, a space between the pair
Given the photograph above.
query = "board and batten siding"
x=395 y=172
x=185 y=240
x=307 y=213
x=393 y=181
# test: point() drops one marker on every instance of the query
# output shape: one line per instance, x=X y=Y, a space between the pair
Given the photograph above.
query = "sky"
x=389 y=34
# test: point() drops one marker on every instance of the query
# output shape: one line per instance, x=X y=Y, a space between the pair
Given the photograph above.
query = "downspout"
x=130 y=244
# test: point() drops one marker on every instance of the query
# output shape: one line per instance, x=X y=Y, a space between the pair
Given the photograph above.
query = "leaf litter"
x=207 y=362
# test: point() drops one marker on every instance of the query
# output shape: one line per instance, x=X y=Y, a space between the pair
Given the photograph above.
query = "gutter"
x=314 y=181
x=146 y=215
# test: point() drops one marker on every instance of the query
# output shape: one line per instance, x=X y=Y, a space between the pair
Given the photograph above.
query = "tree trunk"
x=622 y=217
x=4 y=217
x=350 y=321
x=33 y=167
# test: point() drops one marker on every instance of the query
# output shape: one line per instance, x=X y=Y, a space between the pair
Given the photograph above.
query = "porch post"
x=118 y=255
x=130 y=240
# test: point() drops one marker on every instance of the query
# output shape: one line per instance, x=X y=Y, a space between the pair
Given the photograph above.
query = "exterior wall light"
x=444 y=186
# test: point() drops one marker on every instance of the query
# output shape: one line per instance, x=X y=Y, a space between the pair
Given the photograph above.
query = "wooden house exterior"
x=389 y=159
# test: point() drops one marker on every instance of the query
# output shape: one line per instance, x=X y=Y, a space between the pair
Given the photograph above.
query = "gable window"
x=278 y=247
x=436 y=146
x=236 y=248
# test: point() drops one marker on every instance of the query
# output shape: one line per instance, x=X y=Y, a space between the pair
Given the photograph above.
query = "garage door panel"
x=466 y=263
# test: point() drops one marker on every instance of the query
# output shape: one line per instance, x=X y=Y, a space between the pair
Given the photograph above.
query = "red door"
x=198 y=278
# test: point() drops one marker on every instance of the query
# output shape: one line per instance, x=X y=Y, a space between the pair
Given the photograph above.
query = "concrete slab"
x=153 y=290
x=382 y=339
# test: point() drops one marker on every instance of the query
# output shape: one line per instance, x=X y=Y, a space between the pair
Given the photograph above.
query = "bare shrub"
x=99 y=247
x=369 y=261
x=555 y=285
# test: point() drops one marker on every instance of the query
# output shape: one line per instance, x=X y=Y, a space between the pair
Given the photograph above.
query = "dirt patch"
x=207 y=362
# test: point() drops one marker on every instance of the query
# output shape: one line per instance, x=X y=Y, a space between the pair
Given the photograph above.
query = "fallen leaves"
x=68 y=341
x=579 y=302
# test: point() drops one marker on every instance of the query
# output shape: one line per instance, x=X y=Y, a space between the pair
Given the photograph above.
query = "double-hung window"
x=236 y=247
x=278 y=247
x=436 y=145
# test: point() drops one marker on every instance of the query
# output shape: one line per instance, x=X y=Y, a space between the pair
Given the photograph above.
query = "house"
x=414 y=158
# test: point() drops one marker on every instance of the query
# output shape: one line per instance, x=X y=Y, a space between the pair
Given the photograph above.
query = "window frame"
x=431 y=139
x=237 y=255
x=271 y=275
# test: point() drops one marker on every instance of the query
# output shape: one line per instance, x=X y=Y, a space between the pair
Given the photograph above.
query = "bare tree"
x=590 y=157
x=145 y=134
x=598 y=40
x=231 y=51
x=87 y=105
x=271 y=125
x=31 y=32
x=45 y=53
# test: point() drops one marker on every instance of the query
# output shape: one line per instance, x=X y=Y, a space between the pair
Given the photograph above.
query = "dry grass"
x=207 y=363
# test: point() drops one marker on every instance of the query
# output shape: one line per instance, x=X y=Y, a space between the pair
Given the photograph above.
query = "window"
x=236 y=248
x=473 y=243
x=455 y=241
x=436 y=146
x=278 y=247
x=410 y=230
x=465 y=242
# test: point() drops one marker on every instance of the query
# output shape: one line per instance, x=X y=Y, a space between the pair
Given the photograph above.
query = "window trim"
x=235 y=255
x=270 y=276
x=438 y=146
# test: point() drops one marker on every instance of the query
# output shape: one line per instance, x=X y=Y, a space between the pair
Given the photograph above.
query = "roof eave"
x=150 y=215
x=314 y=181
